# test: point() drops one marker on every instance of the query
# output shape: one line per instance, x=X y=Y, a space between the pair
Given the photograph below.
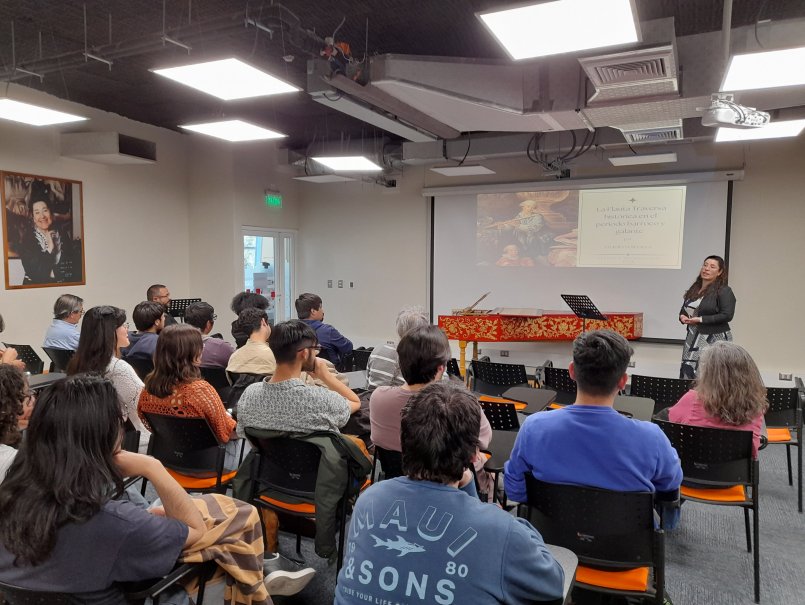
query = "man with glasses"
x=216 y=351
x=149 y=319
x=63 y=332
x=160 y=293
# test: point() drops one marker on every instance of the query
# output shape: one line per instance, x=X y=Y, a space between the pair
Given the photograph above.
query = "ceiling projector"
x=725 y=112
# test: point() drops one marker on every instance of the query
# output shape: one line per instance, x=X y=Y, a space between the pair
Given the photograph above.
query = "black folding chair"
x=494 y=378
x=390 y=464
x=216 y=376
x=26 y=353
x=664 y=391
x=784 y=427
x=719 y=469
x=559 y=380
x=453 y=369
x=190 y=451
x=142 y=367
x=360 y=357
x=59 y=358
x=620 y=550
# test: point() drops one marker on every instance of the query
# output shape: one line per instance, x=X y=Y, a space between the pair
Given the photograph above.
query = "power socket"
x=504 y=353
x=786 y=376
x=329 y=283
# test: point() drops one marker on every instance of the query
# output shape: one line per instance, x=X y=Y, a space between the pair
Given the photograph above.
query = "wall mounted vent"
x=108 y=148
x=634 y=134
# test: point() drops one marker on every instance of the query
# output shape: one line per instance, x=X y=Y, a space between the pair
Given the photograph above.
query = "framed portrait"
x=43 y=231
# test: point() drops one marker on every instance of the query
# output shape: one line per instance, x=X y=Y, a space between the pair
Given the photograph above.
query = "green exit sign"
x=274 y=200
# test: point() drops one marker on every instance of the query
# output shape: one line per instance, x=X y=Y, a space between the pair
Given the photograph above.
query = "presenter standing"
x=708 y=307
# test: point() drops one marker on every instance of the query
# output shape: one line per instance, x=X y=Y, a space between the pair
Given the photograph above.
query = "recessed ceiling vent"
x=634 y=74
x=656 y=133
x=108 y=148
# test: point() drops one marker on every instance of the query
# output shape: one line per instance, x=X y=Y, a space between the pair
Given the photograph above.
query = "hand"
x=9 y=356
x=158 y=511
x=131 y=464
x=320 y=369
x=683 y=319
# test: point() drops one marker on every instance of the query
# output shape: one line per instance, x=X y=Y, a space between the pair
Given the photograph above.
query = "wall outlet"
x=786 y=376
x=329 y=283
x=352 y=284
x=504 y=353
x=340 y=283
x=631 y=364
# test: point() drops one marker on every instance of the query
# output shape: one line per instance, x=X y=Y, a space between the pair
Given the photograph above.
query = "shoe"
x=283 y=577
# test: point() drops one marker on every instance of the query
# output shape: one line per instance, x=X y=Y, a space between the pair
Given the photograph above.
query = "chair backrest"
x=390 y=462
x=501 y=416
x=360 y=357
x=783 y=405
x=604 y=528
x=453 y=369
x=239 y=383
x=285 y=465
x=558 y=379
x=216 y=376
x=131 y=437
x=26 y=353
x=59 y=357
x=664 y=391
x=142 y=367
x=14 y=595
x=717 y=457
x=494 y=378
x=185 y=445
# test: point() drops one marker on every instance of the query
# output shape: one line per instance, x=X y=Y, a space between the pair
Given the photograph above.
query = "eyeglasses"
x=125 y=325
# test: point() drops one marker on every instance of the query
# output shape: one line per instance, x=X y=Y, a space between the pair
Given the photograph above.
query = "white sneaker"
x=283 y=577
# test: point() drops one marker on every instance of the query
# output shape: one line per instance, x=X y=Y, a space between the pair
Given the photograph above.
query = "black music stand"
x=177 y=306
x=584 y=308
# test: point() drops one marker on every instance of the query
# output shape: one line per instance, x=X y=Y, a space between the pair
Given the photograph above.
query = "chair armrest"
x=135 y=591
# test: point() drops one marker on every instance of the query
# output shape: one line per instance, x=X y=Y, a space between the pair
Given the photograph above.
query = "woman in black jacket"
x=708 y=307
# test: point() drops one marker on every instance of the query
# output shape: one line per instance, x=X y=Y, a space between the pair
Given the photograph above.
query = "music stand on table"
x=584 y=308
x=178 y=306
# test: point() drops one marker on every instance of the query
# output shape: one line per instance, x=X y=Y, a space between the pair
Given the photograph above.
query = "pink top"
x=689 y=410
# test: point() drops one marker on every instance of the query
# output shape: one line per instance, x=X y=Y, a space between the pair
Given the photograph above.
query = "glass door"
x=268 y=269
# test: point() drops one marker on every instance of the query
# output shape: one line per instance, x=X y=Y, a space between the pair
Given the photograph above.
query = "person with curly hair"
x=16 y=402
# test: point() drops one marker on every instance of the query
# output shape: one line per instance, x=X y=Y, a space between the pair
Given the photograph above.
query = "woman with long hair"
x=707 y=309
x=16 y=401
x=175 y=387
x=63 y=530
x=104 y=332
x=728 y=393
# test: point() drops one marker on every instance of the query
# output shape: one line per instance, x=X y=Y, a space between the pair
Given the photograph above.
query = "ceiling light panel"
x=775 y=130
x=562 y=26
x=34 y=115
x=234 y=131
x=769 y=69
x=465 y=170
x=227 y=79
x=355 y=163
x=634 y=160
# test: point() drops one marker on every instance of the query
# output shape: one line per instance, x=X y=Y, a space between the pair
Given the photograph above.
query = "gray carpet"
x=707 y=562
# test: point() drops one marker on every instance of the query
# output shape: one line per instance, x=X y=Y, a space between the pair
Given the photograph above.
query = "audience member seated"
x=474 y=553
x=217 y=351
x=254 y=357
x=241 y=301
x=383 y=368
x=175 y=387
x=423 y=355
x=589 y=443
x=104 y=332
x=63 y=331
x=149 y=319
x=334 y=346
x=16 y=405
x=728 y=393
x=160 y=293
x=8 y=355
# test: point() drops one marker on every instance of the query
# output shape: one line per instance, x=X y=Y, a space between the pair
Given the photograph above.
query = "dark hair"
x=439 y=432
x=178 y=347
x=146 y=314
x=198 y=314
x=66 y=305
x=250 y=319
x=2 y=323
x=600 y=359
x=306 y=303
x=153 y=291
x=695 y=290
x=421 y=351
x=246 y=300
x=65 y=470
x=12 y=394
x=98 y=341
x=286 y=338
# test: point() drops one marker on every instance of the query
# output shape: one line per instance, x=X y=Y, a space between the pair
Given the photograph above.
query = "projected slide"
x=630 y=227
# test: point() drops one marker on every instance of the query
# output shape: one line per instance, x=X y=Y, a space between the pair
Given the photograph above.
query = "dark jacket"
x=716 y=310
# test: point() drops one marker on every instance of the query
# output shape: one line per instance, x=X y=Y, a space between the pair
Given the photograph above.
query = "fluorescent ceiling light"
x=464 y=170
x=234 y=130
x=775 y=130
x=654 y=158
x=766 y=70
x=324 y=178
x=227 y=79
x=355 y=163
x=562 y=26
x=34 y=115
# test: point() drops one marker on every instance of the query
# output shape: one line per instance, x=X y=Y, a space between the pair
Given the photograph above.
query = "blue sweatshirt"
x=422 y=542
